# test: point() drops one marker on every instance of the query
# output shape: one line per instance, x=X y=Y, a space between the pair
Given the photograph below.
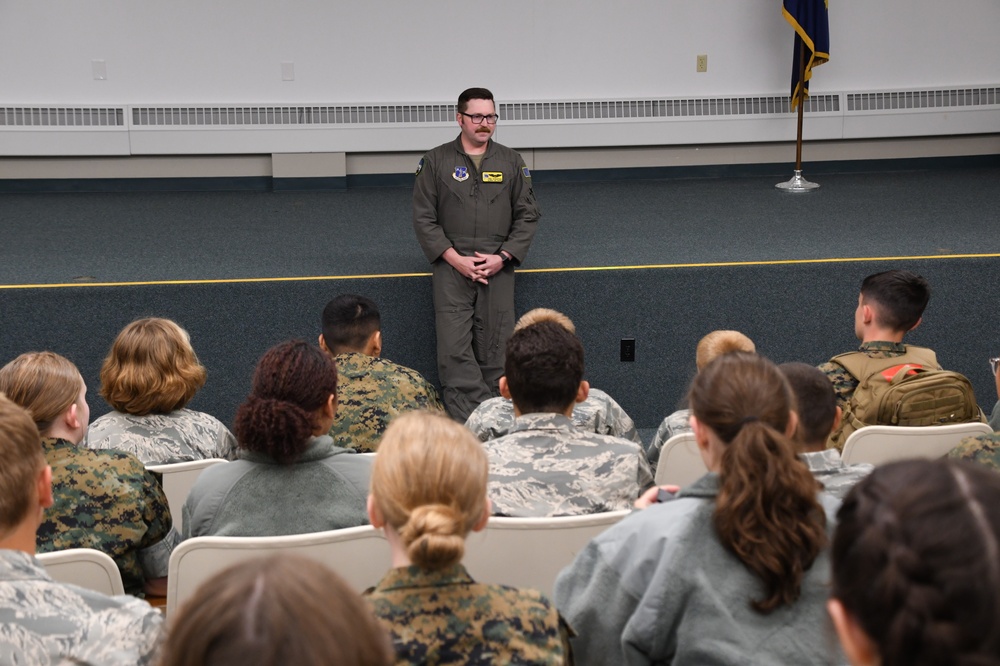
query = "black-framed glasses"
x=478 y=118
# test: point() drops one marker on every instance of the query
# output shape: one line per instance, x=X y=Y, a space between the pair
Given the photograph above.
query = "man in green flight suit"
x=474 y=214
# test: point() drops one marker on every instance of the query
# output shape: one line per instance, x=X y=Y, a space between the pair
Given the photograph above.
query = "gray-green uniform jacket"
x=459 y=209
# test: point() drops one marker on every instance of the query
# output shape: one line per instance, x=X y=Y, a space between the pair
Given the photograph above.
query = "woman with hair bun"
x=428 y=491
x=733 y=569
x=290 y=478
x=148 y=378
x=916 y=566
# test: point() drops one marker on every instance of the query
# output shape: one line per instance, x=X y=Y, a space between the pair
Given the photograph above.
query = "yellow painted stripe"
x=319 y=278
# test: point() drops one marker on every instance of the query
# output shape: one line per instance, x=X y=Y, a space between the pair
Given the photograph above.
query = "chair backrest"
x=680 y=462
x=178 y=479
x=879 y=444
x=530 y=552
x=84 y=567
x=359 y=554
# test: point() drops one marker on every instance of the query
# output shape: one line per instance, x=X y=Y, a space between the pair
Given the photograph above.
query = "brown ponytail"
x=766 y=511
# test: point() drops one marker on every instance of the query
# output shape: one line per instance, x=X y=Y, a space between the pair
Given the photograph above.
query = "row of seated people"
x=542 y=465
x=735 y=568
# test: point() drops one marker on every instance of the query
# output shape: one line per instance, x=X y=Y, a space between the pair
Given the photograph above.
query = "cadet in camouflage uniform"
x=709 y=348
x=148 y=376
x=546 y=466
x=428 y=491
x=982 y=449
x=598 y=413
x=43 y=622
x=818 y=415
x=159 y=439
x=371 y=391
x=104 y=500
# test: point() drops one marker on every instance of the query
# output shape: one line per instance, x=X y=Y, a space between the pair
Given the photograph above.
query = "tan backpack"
x=906 y=390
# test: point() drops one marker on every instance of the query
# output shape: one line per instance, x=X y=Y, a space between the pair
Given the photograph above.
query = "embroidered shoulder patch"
x=420 y=167
x=525 y=172
x=493 y=176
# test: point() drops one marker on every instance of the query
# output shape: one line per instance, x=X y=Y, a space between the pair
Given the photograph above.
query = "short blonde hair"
x=429 y=481
x=44 y=383
x=718 y=343
x=21 y=460
x=151 y=368
x=544 y=314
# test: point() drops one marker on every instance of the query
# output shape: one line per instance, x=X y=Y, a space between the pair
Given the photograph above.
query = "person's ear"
x=583 y=391
x=330 y=408
x=43 y=486
x=793 y=424
x=485 y=518
x=859 y=649
x=837 y=418
x=72 y=417
x=504 y=389
x=375 y=516
x=374 y=345
x=322 y=344
x=919 y=319
x=867 y=314
x=700 y=434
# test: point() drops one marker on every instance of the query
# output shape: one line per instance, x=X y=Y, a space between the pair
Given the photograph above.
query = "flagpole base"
x=797 y=184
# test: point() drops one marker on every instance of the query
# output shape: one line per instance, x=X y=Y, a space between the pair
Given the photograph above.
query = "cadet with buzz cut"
x=43 y=622
x=598 y=413
x=371 y=391
x=546 y=466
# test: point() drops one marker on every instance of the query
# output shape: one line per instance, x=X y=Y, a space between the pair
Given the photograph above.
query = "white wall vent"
x=663 y=108
x=34 y=116
x=923 y=99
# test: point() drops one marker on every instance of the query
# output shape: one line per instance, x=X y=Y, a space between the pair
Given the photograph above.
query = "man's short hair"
x=544 y=368
x=717 y=343
x=544 y=314
x=815 y=402
x=151 y=368
x=21 y=459
x=348 y=321
x=899 y=298
x=472 y=93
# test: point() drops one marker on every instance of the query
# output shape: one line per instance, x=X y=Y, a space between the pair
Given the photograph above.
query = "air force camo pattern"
x=674 y=424
x=547 y=466
x=159 y=439
x=837 y=478
x=370 y=393
x=445 y=617
x=45 y=623
x=598 y=413
x=106 y=500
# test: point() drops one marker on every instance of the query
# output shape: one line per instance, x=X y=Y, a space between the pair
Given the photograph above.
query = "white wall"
x=224 y=51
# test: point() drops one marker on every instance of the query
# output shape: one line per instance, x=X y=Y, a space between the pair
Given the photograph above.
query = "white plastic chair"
x=530 y=552
x=84 y=567
x=879 y=444
x=359 y=554
x=178 y=479
x=680 y=462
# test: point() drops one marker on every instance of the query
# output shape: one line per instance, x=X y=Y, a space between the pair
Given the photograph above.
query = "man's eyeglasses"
x=478 y=118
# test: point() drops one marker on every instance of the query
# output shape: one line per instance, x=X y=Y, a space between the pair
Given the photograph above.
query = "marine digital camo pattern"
x=547 y=466
x=370 y=393
x=45 y=623
x=159 y=439
x=446 y=617
x=598 y=413
x=982 y=449
x=844 y=383
x=106 y=500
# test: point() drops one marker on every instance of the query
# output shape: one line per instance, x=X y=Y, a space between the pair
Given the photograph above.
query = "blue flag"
x=811 y=20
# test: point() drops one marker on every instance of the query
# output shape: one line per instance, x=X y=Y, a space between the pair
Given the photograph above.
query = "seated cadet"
x=104 y=500
x=371 y=390
x=281 y=610
x=148 y=377
x=43 y=622
x=545 y=465
x=709 y=348
x=598 y=413
x=818 y=415
x=428 y=492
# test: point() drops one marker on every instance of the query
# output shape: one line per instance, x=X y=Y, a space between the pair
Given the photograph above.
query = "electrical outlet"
x=701 y=65
x=628 y=350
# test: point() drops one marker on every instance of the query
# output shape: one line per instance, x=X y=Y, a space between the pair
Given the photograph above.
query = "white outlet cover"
x=288 y=71
x=99 y=69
